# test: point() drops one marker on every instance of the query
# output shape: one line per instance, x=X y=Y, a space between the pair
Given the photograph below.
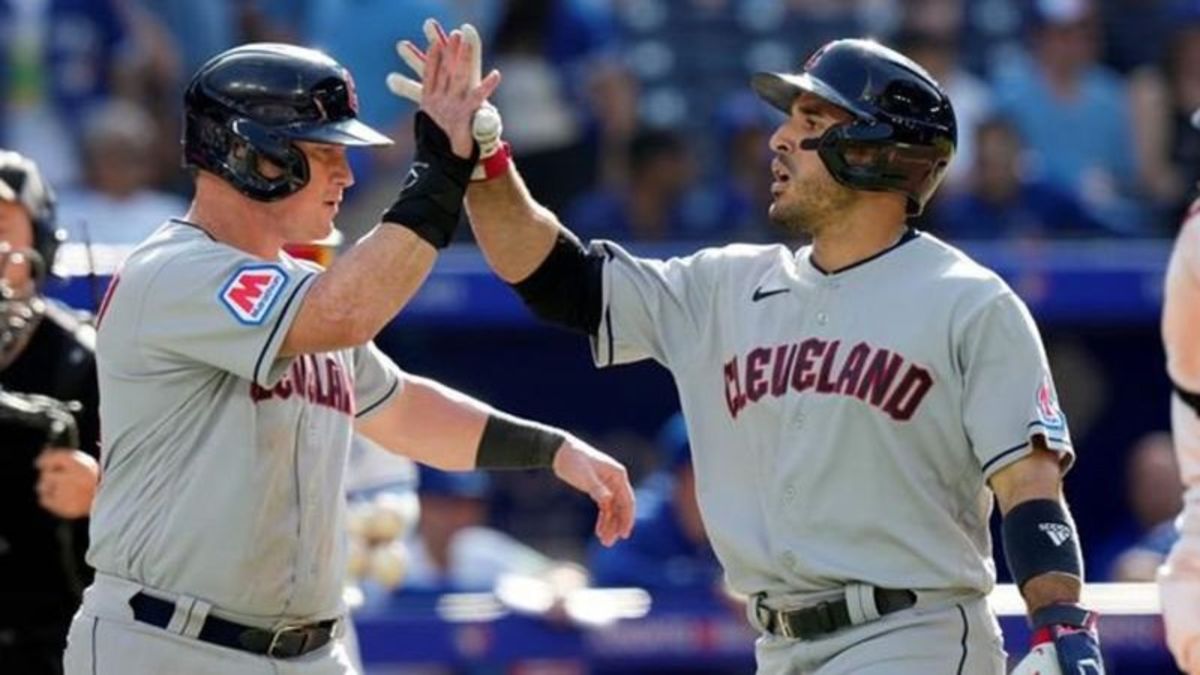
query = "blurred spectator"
x=938 y=52
x=1155 y=497
x=1163 y=100
x=735 y=206
x=47 y=475
x=543 y=48
x=294 y=21
x=116 y=203
x=611 y=94
x=649 y=207
x=1133 y=31
x=61 y=57
x=200 y=30
x=1073 y=113
x=368 y=50
x=669 y=546
x=454 y=549
x=1003 y=201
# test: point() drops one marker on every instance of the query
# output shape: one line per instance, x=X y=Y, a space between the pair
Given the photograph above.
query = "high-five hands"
x=452 y=67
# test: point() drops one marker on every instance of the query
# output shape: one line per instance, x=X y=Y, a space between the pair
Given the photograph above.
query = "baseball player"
x=853 y=405
x=232 y=377
x=1179 y=578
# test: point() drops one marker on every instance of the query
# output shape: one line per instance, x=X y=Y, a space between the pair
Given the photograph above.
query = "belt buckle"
x=783 y=625
x=279 y=633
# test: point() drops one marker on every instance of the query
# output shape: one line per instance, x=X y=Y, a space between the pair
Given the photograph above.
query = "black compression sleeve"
x=567 y=288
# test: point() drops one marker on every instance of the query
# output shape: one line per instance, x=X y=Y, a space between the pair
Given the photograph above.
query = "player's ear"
x=269 y=169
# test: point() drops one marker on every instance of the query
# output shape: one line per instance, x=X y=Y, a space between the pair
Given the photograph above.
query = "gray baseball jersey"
x=842 y=425
x=223 y=465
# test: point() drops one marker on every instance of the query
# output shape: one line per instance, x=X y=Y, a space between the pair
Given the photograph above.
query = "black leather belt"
x=829 y=616
x=285 y=643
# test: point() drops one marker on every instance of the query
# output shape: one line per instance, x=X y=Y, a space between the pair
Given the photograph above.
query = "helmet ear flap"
x=864 y=155
x=236 y=150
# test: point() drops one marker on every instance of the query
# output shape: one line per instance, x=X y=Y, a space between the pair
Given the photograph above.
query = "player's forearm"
x=356 y=297
x=432 y=424
x=513 y=230
x=439 y=426
x=1039 y=537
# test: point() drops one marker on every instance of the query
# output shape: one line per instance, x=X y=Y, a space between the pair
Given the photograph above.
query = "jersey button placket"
x=827 y=288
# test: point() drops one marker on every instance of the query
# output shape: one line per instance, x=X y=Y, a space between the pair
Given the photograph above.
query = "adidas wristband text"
x=1040 y=537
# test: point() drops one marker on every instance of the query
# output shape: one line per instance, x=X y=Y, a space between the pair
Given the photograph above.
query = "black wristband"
x=430 y=202
x=1040 y=537
x=509 y=443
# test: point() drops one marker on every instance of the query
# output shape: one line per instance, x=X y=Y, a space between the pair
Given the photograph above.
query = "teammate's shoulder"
x=738 y=256
x=710 y=255
x=744 y=251
x=175 y=238
x=951 y=263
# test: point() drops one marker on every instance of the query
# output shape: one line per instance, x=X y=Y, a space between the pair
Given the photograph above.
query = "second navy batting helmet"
x=253 y=102
x=903 y=134
x=22 y=182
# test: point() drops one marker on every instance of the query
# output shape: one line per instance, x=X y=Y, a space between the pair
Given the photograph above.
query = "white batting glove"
x=487 y=125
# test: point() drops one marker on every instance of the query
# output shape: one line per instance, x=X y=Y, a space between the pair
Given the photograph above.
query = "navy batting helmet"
x=254 y=101
x=903 y=133
x=22 y=182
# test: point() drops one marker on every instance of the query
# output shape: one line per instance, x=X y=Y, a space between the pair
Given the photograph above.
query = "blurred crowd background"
x=633 y=120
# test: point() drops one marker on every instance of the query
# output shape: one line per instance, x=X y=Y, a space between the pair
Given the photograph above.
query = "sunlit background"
x=633 y=120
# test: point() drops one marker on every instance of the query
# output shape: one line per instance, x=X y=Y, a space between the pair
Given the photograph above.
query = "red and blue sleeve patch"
x=252 y=291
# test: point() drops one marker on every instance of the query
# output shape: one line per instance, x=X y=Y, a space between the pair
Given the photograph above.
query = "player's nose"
x=781 y=141
x=342 y=175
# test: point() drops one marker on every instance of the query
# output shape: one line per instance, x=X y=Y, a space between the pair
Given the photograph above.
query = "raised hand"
x=451 y=89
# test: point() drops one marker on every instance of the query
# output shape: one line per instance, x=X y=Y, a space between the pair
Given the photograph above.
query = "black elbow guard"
x=566 y=289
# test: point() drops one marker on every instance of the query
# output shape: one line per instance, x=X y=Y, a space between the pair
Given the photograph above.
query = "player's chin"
x=320 y=228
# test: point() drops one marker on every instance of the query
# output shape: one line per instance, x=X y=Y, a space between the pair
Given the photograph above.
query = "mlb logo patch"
x=252 y=291
x=1048 y=412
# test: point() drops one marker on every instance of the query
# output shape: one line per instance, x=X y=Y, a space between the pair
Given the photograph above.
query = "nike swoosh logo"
x=760 y=294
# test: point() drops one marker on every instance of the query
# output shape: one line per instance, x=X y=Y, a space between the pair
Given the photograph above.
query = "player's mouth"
x=782 y=177
x=333 y=204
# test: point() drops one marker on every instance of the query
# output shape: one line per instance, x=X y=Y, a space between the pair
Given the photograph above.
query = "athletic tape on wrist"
x=510 y=443
x=1040 y=537
x=495 y=164
x=431 y=199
